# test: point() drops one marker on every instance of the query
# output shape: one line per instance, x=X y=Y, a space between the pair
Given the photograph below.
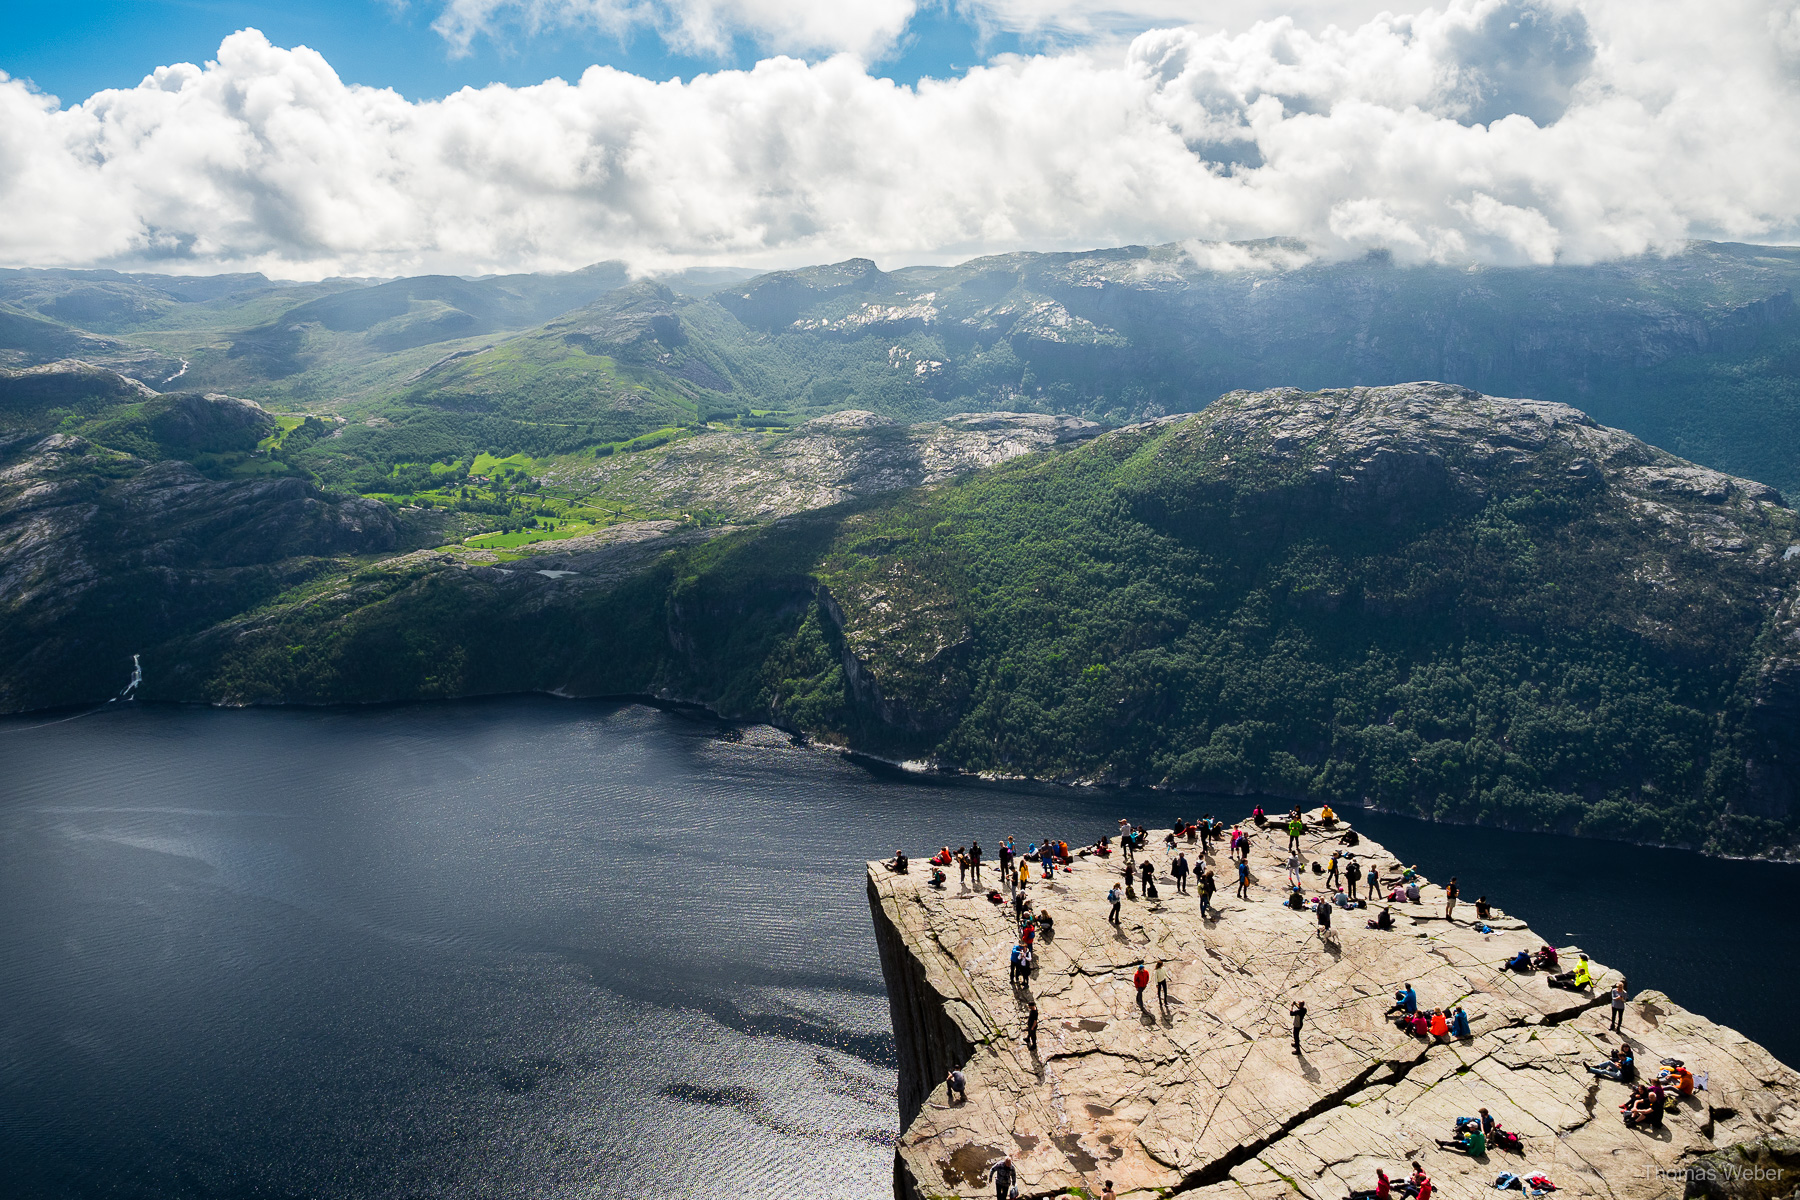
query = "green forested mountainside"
x=1697 y=352
x=1428 y=599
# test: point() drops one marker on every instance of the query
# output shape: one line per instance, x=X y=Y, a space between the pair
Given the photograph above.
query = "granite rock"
x=1205 y=1096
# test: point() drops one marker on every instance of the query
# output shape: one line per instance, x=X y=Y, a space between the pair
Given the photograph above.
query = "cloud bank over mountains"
x=1498 y=131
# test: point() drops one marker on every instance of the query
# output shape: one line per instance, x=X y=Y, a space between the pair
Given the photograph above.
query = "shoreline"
x=908 y=769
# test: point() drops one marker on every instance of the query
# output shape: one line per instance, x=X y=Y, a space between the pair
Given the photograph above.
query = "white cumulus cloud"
x=1487 y=130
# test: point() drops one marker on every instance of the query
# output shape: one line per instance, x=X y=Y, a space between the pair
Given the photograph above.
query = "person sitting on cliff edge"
x=898 y=865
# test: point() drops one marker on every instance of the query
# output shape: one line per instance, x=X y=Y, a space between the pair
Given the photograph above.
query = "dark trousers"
x=1031 y=1038
x=1618 y=1020
x=1350 y=888
x=1243 y=889
x=975 y=869
x=1114 y=915
x=1162 y=992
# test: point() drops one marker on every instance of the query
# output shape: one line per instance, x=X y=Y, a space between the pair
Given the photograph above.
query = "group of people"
x=1438 y=1024
x=1648 y=1100
x=1579 y=978
x=1417 y=1185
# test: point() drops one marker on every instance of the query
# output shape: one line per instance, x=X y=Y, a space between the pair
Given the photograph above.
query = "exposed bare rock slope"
x=1205 y=1097
x=825 y=461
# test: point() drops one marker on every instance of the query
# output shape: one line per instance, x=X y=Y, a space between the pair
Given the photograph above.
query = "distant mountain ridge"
x=1699 y=352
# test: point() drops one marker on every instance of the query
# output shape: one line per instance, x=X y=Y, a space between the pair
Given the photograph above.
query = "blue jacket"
x=1410 y=998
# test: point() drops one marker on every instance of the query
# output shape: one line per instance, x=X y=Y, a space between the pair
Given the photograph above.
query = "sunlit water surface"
x=531 y=948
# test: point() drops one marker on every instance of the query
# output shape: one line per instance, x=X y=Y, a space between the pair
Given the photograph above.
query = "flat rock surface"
x=1206 y=1097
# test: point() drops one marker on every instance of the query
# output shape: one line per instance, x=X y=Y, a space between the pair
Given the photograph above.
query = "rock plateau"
x=1206 y=1099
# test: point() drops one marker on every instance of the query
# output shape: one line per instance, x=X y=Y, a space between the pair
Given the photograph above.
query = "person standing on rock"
x=975 y=862
x=1113 y=899
x=1004 y=1175
x=1140 y=981
x=1031 y=1024
x=1618 y=1007
x=1298 y=1013
x=1331 y=872
x=1243 y=885
x=1160 y=977
x=1179 y=869
x=1374 y=880
x=962 y=867
x=1451 y=892
x=1351 y=872
x=1207 y=886
x=1005 y=856
x=1295 y=828
x=1018 y=954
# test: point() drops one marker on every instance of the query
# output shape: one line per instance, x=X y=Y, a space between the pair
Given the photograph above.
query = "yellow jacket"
x=1582 y=977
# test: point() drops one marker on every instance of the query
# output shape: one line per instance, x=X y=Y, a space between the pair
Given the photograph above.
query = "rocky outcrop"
x=827 y=460
x=1205 y=1097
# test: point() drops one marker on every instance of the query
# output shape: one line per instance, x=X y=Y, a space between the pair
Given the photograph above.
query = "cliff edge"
x=1204 y=1097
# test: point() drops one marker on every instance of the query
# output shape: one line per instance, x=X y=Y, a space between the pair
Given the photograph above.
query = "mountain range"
x=961 y=516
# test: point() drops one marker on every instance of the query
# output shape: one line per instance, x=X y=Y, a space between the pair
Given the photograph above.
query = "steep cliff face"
x=1208 y=1094
x=103 y=555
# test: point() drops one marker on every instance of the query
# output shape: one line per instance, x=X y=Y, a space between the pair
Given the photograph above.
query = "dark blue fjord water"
x=528 y=948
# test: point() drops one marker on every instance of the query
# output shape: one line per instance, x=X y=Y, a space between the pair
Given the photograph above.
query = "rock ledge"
x=1206 y=1099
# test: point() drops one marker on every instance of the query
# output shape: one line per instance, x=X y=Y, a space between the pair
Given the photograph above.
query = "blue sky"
x=73 y=49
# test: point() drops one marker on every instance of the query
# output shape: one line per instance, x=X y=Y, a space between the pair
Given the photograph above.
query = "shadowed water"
x=531 y=948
